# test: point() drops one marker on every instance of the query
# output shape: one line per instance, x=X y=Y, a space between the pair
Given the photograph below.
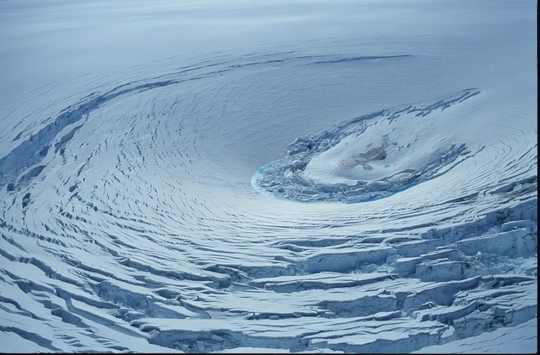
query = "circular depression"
x=368 y=158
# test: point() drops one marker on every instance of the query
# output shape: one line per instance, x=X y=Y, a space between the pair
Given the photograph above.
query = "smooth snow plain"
x=300 y=176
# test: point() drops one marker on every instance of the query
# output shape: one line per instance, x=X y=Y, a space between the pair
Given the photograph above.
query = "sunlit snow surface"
x=306 y=176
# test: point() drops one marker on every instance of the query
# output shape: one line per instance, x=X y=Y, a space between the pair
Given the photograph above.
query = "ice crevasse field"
x=270 y=176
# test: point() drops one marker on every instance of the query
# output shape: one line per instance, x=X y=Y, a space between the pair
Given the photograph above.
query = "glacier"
x=302 y=176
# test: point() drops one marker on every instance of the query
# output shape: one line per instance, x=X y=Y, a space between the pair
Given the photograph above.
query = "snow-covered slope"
x=305 y=176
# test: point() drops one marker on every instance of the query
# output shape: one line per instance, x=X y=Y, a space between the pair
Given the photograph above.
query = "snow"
x=371 y=157
x=302 y=176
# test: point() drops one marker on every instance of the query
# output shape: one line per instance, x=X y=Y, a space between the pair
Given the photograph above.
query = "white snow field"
x=270 y=176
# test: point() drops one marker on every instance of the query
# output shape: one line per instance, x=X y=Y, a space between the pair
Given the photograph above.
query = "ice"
x=260 y=177
x=370 y=157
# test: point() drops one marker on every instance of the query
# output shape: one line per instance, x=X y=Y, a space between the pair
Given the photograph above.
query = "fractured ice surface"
x=370 y=157
x=129 y=139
